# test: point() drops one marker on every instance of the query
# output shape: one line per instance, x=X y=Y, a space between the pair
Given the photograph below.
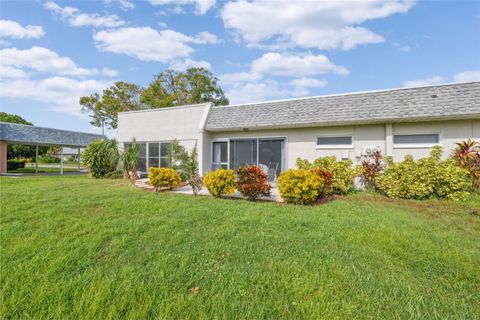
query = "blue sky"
x=53 y=52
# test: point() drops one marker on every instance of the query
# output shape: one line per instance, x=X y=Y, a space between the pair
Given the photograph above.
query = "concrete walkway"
x=274 y=195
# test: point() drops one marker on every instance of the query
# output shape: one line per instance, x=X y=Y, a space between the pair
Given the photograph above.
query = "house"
x=275 y=133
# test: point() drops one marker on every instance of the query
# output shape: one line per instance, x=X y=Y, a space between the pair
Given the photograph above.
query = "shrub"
x=14 y=164
x=327 y=180
x=196 y=183
x=299 y=186
x=163 y=178
x=101 y=157
x=49 y=159
x=343 y=172
x=467 y=155
x=128 y=160
x=372 y=168
x=425 y=178
x=220 y=182
x=252 y=182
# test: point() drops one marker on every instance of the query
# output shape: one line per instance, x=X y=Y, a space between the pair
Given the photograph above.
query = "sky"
x=54 y=52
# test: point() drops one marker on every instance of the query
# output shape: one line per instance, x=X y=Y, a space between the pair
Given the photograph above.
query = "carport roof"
x=25 y=134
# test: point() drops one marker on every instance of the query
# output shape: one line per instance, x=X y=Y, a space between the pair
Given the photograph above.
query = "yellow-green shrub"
x=163 y=178
x=343 y=172
x=220 y=182
x=300 y=186
x=425 y=178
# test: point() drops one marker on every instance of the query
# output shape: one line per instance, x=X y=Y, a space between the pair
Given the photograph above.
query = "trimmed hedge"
x=300 y=186
x=14 y=164
x=343 y=172
x=163 y=178
x=220 y=182
x=425 y=178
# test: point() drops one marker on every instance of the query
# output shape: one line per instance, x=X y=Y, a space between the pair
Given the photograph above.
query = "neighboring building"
x=275 y=133
x=13 y=133
x=73 y=153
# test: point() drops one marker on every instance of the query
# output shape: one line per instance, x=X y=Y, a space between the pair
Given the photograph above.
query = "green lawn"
x=73 y=247
x=42 y=170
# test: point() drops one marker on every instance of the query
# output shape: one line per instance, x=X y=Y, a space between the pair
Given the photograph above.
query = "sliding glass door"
x=220 y=155
x=271 y=154
x=243 y=152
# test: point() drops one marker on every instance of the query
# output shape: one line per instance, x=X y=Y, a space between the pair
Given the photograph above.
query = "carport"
x=12 y=133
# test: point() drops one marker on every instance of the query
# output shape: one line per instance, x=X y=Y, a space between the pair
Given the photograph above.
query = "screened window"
x=220 y=155
x=408 y=139
x=157 y=154
x=334 y=141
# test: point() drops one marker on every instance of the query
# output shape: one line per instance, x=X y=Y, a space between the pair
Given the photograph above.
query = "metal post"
x=78 y=155
x=61 y=159
x=36 y=159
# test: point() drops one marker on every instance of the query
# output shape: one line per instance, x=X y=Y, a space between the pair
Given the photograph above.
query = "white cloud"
x=309 y=24
x=9 y=72
x=109 y=72
x=308 y=82
x=301 y=86
x=147 y=44
x=201 y=6
x=188 y=63
x=472 y=75
x=43 y=60
x=255 y=92
x=124 y=4
x=206 y=37
x=12 y=29
x=239 y=77
x=61 y=93
x=78 y=19
x=283 y=64
x=424 y=82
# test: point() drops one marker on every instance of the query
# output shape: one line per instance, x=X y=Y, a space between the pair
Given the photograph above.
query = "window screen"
x=334 y=141
x=416 y=139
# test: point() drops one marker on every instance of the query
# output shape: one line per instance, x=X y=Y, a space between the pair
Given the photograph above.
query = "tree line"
x=169 y=88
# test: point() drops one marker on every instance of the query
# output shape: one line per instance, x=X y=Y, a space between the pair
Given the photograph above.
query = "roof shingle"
x=452 y=101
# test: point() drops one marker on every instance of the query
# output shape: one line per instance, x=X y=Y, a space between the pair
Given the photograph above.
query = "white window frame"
x=228 y=152
x=334 y=146
x=416 y=145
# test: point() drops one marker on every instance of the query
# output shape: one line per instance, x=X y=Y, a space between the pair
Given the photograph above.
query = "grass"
x=73 y=247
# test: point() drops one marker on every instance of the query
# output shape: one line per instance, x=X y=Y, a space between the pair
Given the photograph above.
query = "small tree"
x=186 y=164
x=129 y=161
x=101 y=157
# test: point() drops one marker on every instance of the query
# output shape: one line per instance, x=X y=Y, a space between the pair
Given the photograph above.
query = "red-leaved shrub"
x=252 y=182
x=327 y=178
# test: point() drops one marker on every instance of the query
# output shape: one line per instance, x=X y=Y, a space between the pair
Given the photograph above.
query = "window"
x=153 y=154
x=220 y=155
x=243 y=152
x=142 y=157
x=416 y=139
x=334 y=142
x=164 y=154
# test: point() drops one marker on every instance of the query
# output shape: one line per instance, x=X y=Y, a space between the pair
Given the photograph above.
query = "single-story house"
x=275 y=133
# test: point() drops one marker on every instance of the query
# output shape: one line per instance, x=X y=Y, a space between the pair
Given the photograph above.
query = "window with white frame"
x=420 y=140
x=335 y=142
x=220 y=155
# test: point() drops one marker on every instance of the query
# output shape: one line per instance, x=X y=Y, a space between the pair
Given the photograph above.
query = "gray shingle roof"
x=25 y=134
x=450 y=101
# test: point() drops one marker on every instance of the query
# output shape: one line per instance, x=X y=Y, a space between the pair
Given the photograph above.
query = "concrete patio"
x=274 y=194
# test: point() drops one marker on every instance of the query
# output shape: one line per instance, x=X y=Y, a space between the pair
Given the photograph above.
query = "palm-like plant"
x=467 y=156
x=129 y=161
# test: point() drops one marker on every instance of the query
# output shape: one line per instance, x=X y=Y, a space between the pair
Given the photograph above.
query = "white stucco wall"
x=450 y=133
x=162 y=125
